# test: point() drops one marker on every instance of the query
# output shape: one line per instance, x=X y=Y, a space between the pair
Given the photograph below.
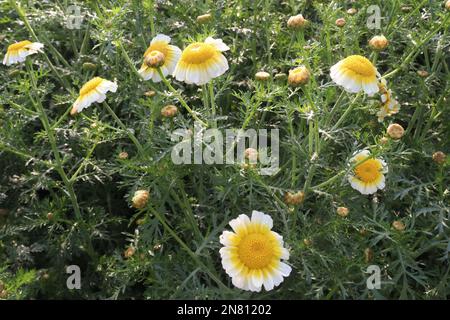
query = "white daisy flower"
x=252 y=255
x=19 y=51
x=368 y=176
x=92 y=91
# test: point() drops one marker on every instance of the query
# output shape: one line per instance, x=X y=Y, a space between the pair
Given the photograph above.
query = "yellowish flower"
x=297 y=22
x=140 y=199
x=378 y=42
x=18 y=52
x=368 y=176
x=252 y=254
x=92 y=91
x=390 y=105
x=159 y=47
x=169 y=111
x=298 y=76
x=202 y=61
x=356 y=73
x=204 y=18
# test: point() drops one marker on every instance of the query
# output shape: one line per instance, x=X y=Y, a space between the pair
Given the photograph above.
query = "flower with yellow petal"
x=356 y=73
x=160 y=45
x=18 y=52
x=252 y=255
x=202 y=61
x=93 y=91
x=367 y=176
x=390 y=105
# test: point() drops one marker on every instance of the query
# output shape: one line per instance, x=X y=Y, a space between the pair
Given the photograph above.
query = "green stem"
x=124 y=127
x=213 y=105
x=180 y=98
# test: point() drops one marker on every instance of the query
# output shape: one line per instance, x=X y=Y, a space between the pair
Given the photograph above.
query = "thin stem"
x=124 y=127
x=213 y=105
x=180 y=98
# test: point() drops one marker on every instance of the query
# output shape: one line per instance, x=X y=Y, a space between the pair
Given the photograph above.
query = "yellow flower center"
x=369 y=170
x=256 y=250
x=160 y=46
x=90 y=85
x=359 y=65
x=19 y=45
x=198 y=52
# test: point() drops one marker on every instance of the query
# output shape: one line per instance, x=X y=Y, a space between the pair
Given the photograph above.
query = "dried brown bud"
x=204 y=18
x=340 y=22
x=140 y=199
x=342 y=211
x=368 y=255
x=123 y=155
x=294 y=198
x=378 y=42
x=297 y=22
x=439 y=157
x=262 y=76
x=395 y=131
x=398 y=225
x=298 y=76
x=129 y=252
x=50 y=216
x=169 y=111
x=423 y=73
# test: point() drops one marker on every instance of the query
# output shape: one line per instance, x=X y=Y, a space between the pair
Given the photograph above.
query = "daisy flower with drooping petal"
x=160 y=45
x=202 y=61
x=356 y=73
x=93 y=91
x=368 y=176
x=252 y=254
x=390 y=105
x=18 y=52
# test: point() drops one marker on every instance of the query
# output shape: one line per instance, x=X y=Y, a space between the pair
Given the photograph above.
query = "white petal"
x=161 y=37
x=218 y=43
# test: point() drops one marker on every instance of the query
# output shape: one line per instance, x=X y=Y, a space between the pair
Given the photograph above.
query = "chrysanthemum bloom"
x=368 y=176
x=439 y=157
x=18 y=52
x=390 y=105
x=356 y=73
x=92 y=91
x=204 y=18
x=298 y=76
x=294 y=198
x=140 y=199
x=297 y=22
x=169 y=111
x=395 y=131
x=202 y=61
x=252 y=254
x=262 y=76
x=159 y=47
x=340 y=22
x=378 y=42
x=398 y=225
x=342 y=211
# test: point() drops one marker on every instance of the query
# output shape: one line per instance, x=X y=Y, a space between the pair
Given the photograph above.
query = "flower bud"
x=262 y=76
x=129 y=252
x=50 y=216
x=298 y=76
x=89 y=66
x=123 y=155
x=3 y=294
x=204 y=18
x=378 y=42
x=423 y=73
x=447 y=5
x=297 y=22
x=398 y=225
x=368 y=255
x=340 y=22
x=140 y=199
x=154 y=59
x=439 y=157
x=342 y=211
x=150 y=93
x=280 y=76
x=294 y=198
x=251 y=154
x=384 y=140
x=307 y=242
x=169 y=111
x=395 y=131
x=352 y=11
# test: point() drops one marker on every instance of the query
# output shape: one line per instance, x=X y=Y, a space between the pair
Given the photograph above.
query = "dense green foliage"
x=48 y=222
